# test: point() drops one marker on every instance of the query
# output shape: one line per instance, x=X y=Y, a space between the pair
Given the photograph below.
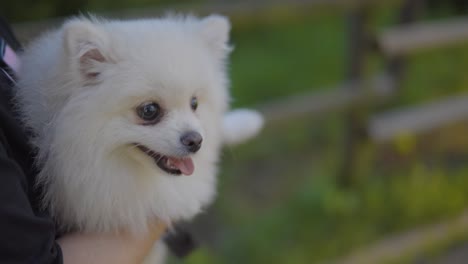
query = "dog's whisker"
x=160 y=158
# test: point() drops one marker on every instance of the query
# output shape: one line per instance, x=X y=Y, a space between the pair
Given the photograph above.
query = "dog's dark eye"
x=194 y=103
x=149 y=112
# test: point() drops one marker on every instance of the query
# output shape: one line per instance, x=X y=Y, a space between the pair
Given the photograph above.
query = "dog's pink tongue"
x=184 y=165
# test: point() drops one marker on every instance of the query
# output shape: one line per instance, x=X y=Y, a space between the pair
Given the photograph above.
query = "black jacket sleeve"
x=27 y=233
x=25 y=237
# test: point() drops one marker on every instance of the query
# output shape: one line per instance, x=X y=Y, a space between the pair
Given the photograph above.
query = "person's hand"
x=121 y=248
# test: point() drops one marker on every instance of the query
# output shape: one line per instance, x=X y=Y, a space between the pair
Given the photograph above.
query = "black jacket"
x=27 y=234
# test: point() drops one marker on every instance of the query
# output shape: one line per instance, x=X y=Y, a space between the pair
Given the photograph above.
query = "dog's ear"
x=215 y=32
x=85 y=45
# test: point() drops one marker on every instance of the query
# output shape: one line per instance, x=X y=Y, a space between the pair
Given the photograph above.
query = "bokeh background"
x=364 y=156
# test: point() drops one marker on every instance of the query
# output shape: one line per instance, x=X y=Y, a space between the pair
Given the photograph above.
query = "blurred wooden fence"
x=358 y=90
x=242 y=9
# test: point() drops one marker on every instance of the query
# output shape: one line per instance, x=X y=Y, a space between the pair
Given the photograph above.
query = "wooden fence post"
x=358 y=45
x=397 y=65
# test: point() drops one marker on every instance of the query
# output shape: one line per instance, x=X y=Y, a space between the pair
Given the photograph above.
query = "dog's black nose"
x=192 y=141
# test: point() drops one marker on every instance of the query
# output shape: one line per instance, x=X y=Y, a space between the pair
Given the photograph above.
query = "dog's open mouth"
x=171 y=165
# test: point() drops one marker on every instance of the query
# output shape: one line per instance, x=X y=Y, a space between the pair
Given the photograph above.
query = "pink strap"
x=11 y=59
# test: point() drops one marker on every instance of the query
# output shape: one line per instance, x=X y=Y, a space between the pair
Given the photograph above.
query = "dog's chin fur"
x=78 y=90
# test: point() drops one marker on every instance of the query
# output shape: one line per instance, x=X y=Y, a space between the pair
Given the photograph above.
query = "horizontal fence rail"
x=410 y=243
x=417 y=119
x=422 y=36
x=317 y=104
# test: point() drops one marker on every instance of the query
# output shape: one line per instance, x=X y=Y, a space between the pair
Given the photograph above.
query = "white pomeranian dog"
x=129 y=118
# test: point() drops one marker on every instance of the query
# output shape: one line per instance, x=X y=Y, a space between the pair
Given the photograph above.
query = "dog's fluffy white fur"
x=78 y=91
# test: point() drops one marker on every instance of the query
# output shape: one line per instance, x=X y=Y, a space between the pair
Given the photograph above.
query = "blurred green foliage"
x=272 y=60
x=278 y=200
x=25 y=10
